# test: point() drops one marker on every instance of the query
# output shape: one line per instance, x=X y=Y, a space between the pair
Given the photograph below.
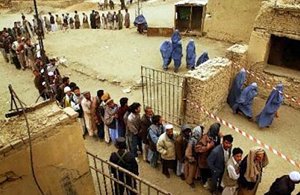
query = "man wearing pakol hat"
x=285 y=185
x=166 y=148
x=126 y=160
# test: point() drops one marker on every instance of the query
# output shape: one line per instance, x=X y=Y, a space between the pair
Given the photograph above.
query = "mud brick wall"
x=282 y=20
x=207 y=86
x=60 y=159
x=231 y=20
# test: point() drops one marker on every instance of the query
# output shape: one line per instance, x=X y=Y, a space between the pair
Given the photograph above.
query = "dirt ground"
x=116 y=56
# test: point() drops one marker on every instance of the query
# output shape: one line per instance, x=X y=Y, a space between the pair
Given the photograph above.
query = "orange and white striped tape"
x=243 y=133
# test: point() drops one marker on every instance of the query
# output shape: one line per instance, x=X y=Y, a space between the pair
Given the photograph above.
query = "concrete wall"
x=60 y=162
x=231 y=20
x=208 y=86
x=282 y=20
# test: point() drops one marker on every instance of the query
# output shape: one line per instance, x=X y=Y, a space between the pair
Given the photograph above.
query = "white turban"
x=67 y=89
x=294 y=176
x=169 y=126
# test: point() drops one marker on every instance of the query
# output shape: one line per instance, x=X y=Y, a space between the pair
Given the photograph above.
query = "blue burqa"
x=176 y=38
x=203 y=58
x=236 y=88
x=190 y=54
x=245 y=101
x=177 y=54
x=273 y=103
x=140 y=20
x=166 y=50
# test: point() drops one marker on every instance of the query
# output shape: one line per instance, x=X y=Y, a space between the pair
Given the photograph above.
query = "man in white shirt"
x=231 y=173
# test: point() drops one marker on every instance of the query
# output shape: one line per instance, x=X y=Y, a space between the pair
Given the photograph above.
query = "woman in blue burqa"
x=236 y=87
x=166 y=50
x=245 y=101
x=176 y=37
x=190 y=55
x=177 y=55
x=275 y=99
x=203 y=58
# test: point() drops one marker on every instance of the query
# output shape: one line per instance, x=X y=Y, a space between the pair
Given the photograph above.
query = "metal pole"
x=41 y=44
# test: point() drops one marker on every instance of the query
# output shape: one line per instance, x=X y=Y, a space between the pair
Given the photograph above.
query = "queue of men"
x=111 y=20
x=194 y=155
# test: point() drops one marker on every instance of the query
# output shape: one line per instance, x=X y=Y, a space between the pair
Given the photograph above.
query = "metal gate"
x=108 y=184
x=164 y=92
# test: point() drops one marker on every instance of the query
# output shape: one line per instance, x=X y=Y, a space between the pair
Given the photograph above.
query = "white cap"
x=67 y=89
x=294 y=176
x=169 y=126
x=50 y=74
x=243 y=70
x=254 y=84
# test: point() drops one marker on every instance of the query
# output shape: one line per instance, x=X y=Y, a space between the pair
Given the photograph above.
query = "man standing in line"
x=154 y=131
x=111 y=119
x=77 y=20
x=127 y=19
x=251 y=169
x=166 y=148
x=120 y=20
x=217 y=160
x=76 y=105
x=58 y=21
x=85 y=22
x=93 y=20
x=52 y=22
x=133 y=127
x=181 y=143
x=87 y=108
x=232 y=173
x=285 y=185
x=146 y=122
x=126 y=160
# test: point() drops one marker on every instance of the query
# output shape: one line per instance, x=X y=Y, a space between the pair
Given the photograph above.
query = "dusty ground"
x=117 y=55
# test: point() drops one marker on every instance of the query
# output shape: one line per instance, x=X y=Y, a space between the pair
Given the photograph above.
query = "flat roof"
x=192 y=2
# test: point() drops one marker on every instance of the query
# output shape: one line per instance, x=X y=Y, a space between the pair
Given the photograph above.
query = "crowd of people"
x=194 y=154
x=172 y=50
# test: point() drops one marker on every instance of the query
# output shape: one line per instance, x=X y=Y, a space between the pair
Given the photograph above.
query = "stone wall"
x=231 y=20
x=59 y=155
x=208 y=86
x=281 y=20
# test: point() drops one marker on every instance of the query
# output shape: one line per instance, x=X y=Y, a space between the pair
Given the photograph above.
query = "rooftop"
x=42 y=118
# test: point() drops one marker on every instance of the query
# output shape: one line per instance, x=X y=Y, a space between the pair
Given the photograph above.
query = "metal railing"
x=124 y=181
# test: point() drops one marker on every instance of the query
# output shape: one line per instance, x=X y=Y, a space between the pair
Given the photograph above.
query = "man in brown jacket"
x=181 y=143
x=146 y=121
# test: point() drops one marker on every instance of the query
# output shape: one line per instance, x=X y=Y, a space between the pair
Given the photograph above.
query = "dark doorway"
x=284 y=52
x=183 y=18
x=197 y=18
